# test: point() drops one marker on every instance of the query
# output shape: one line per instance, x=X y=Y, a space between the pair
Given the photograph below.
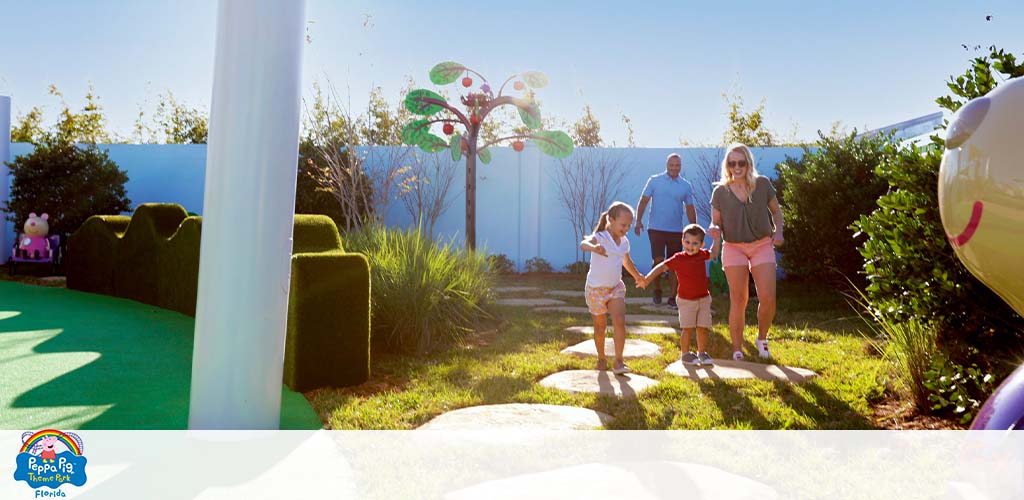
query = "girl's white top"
x=607 y=271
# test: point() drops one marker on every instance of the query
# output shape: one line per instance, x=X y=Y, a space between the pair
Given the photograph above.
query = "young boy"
x=693 y=297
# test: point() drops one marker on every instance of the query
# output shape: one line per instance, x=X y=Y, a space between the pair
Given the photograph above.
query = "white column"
x=248 y=211
x=5 y=179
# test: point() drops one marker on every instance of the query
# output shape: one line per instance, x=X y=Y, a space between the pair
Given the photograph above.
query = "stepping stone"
x=659 y=308
x=511 y=289
x=633 y=349
x=604 y=382
x=633 y=479
x=519 y=416
x=729 y=369
x=579 y=294
x=630 y=330
x=530 y=302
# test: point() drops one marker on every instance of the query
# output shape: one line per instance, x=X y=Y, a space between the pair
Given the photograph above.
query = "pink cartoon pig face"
x=48 y=443
x=37 y=227
x=981 y=189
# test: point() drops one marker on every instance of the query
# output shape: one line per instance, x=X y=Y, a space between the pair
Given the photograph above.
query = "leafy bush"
x=717 y=282
x=538 y=265
x=69 y=182
x=955 y=389
x=911 y=268
x=578 y=267
x=425 y=294
x=501 y=264
x=825 y=191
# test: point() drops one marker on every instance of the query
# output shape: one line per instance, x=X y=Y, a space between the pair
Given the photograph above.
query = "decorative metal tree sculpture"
x=477 y=105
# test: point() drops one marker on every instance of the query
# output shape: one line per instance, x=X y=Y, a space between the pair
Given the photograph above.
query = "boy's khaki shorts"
x=694 y=313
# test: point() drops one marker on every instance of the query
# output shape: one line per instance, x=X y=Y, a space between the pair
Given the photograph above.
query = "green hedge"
x=153 y=257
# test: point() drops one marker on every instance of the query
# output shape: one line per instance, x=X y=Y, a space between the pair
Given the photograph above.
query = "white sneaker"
x=737 y=356
x=762 y=348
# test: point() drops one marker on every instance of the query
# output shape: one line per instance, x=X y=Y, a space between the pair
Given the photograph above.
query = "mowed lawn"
x=502 y=363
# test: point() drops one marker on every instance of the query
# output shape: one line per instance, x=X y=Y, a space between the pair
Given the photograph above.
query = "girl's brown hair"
x=613 y=212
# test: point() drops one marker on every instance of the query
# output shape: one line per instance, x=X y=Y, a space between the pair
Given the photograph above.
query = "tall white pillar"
x=248 y=211
x=5 y=179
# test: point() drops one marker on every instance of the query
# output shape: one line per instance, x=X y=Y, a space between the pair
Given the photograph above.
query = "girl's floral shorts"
x=598 y=297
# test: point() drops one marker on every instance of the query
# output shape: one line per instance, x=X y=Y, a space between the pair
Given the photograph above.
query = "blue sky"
x=664 y=64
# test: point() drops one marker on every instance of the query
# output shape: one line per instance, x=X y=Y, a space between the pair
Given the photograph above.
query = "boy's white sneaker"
x=737 y=356
x=762 y=348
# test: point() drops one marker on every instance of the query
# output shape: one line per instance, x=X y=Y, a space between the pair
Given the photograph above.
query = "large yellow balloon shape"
x=981 y=189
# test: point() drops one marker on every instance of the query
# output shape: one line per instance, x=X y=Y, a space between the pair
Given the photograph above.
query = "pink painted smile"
x=972 y=226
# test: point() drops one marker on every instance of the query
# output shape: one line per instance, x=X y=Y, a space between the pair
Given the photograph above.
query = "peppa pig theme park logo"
x=50 y=458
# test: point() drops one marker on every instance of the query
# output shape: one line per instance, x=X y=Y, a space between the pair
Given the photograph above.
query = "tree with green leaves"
x=88 y=126
x=477 y=105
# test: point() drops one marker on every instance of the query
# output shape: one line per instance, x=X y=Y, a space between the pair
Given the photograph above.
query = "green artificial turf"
x=74 y=360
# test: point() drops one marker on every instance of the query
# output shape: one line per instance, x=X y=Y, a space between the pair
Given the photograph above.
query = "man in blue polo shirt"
x=668 y=194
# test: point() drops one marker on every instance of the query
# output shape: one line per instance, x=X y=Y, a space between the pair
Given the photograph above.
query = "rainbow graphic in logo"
x=51 y=458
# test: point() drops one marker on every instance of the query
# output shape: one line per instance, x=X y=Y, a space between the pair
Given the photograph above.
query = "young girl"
x=606 y=293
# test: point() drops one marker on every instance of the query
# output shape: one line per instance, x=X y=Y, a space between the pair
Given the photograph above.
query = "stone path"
x=554 y=417
x=512 y=289
x=729 y=369
x=530 y=302
x=519 y=416
x=603 y=382
x=579 y=294
x=633 y=349
x=630 y=330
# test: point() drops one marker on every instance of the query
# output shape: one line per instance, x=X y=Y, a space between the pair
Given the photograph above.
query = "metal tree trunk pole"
x=471 y=187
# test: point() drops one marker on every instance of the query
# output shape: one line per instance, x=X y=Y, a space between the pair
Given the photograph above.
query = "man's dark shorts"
x=664 y=244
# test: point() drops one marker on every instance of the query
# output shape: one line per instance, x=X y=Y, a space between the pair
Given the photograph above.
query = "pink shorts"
x=750 y=254
x=599 y=296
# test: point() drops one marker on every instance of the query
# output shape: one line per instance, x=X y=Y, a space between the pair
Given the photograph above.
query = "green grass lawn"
x=815 y=329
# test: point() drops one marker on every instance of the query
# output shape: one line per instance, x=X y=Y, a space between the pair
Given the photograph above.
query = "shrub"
x=825 y=191
x=315 y=193
x=501 y=264
x=578 y=267
x=70 y=182
x=538 y=265
x=425 y=294
x=717 y=282
x=956 y=390
x=913 y=272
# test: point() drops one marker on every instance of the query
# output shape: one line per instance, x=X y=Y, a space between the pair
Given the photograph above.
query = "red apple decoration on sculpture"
x=448 y=128
x=518 y=146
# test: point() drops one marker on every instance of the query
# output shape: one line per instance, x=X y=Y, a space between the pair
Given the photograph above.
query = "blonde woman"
x=746 y=213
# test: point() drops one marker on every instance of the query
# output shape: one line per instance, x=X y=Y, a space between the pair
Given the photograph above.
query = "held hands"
x=641 y=283
x=714 y=232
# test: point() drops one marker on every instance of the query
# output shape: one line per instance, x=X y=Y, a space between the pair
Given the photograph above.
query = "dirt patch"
x=897 y=414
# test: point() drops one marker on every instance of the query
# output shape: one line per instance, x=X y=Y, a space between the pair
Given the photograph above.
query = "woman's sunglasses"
x=741 y=163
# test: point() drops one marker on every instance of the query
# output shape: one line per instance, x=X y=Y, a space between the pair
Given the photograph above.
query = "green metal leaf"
x=432 y=143
x=554 y=143
x=414 y=132
x=484 y=155
x=456 y=146
x=535 y=79
x=446 y=72
x=529 y=111
x=415 y=102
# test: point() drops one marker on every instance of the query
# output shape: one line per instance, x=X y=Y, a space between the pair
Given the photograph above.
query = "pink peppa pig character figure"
x=49 y=452
x=33 y=244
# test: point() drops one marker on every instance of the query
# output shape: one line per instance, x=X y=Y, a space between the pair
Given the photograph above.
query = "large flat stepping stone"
x=635 y=480
x=513 y=289
x=658 y=319
x=530 y=302
x=630 y=330
x=600 y=382
x=633 y=349
x=659 y=308
x=519 y=416
x=729 y=369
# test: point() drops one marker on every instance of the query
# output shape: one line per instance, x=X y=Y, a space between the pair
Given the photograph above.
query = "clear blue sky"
x=665 y=64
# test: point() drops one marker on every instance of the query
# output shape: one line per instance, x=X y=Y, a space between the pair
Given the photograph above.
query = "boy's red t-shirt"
x=691 y=273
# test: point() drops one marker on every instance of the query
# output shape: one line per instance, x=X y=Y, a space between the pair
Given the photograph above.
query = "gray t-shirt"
x=744 y=222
